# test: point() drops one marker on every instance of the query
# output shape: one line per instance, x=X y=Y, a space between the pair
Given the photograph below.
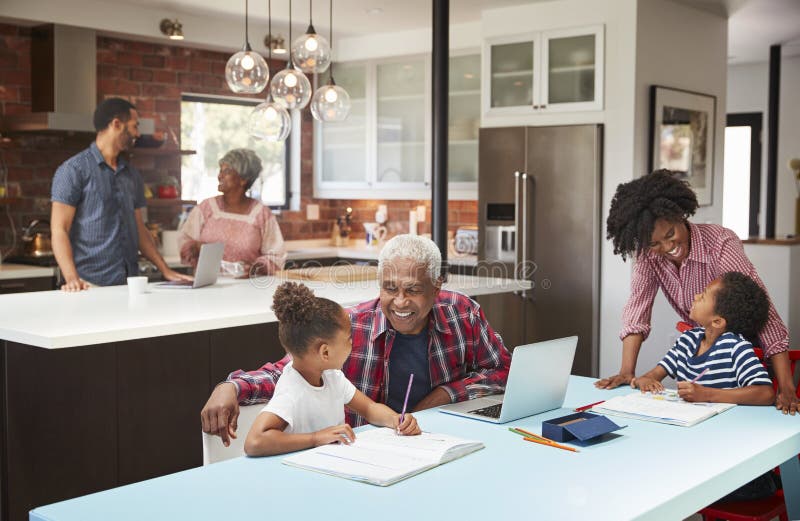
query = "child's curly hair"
x=743 y=304
x=639 y=203
x=303 y=317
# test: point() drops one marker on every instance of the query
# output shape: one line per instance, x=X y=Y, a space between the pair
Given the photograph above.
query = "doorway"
x=742 y=172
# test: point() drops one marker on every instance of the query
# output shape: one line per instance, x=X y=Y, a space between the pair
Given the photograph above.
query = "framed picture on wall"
x=682 y=137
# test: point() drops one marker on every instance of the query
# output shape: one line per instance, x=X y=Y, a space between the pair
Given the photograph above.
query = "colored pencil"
x=550 y=443
x=587 y=407
x=704 y=371
x=405 y=402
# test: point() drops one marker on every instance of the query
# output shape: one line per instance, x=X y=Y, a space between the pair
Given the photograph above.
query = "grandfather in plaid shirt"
x=447 y=331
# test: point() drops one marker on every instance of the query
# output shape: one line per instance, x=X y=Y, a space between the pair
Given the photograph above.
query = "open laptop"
x=537 y=382
x=207 y=268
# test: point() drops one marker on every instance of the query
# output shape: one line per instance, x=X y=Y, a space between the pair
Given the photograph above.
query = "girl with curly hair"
x=649 y=221
x=307 y=408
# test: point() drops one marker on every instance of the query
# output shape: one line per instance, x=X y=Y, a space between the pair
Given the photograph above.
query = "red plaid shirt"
x=467 y=358
x=714 y=251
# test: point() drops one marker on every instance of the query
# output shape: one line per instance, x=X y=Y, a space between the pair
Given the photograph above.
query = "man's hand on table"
x=221 y=413
x=435 y=398
x=786 y=401
x=76 y=284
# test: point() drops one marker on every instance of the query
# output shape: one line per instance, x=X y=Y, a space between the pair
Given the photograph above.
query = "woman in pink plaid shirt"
x=648 y=220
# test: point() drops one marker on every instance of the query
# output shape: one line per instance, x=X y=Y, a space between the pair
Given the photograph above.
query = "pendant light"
x=246 y=71
x=291 y=87
x=269 y=121
x=311 y=53
x=331 y=102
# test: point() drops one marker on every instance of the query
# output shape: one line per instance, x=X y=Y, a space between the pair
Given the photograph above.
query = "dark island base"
x=83 y=419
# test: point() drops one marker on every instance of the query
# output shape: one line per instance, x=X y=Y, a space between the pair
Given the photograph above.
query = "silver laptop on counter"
x=537 y=382
x=208 y=265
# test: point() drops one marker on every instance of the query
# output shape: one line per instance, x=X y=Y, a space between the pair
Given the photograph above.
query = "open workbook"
x=381 y=457
x=663 y=407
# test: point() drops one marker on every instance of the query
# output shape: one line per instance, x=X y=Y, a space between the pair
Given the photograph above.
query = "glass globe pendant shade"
x=330 y=103
x=311 y=52
x=269 y=121
x=247 y=72
x=291 y=89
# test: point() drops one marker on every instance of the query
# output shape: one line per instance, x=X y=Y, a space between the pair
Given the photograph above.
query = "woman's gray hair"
x=420 y=249
x=246 y=163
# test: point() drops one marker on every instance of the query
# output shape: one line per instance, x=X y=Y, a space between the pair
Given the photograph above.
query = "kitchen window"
x=214 y=125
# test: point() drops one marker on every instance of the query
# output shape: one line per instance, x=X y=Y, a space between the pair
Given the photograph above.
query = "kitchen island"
x=101 y=389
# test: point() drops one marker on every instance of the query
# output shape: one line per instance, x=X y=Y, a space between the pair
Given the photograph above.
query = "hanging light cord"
x=269 y=30
x=331 y=42
x=246 y=14
x=310 y=15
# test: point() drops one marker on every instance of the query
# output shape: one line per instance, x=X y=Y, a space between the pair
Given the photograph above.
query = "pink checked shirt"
x=714 y=251
x=250 y=238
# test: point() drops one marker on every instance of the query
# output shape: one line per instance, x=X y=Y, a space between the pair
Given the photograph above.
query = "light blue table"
x=649 y=471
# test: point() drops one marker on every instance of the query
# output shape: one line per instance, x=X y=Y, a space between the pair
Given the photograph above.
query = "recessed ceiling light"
x=374 y=10
x=469 y=75
x=518 y=84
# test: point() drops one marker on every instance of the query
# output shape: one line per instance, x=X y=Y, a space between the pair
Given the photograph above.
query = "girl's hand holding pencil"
x=406 y=425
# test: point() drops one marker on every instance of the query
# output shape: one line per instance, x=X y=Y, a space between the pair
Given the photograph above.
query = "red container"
x=167 y=192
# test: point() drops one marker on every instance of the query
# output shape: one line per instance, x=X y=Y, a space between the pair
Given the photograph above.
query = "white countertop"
x=22 y=271
x=55 y=319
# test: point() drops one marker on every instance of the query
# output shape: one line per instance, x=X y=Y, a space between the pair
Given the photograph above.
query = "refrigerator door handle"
x=526 y=269
x=516 y=221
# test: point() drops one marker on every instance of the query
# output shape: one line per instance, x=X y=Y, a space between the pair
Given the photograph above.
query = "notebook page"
x=661 y=407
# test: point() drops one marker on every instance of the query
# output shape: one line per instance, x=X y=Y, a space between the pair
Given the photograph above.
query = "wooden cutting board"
x=340 y=274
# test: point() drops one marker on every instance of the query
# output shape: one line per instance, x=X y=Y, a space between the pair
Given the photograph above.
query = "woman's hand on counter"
x=171 y=274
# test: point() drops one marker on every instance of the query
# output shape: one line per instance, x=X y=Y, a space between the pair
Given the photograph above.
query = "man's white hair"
x=420 y=249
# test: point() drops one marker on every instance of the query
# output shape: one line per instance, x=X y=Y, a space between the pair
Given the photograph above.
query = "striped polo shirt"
x=104 y=235
x=731 y=361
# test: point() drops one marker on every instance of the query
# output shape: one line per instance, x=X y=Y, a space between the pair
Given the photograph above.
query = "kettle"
x=37 y=243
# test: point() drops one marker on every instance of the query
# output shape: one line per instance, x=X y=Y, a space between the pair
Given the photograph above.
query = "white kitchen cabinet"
x=543 y=72
x=383 y=149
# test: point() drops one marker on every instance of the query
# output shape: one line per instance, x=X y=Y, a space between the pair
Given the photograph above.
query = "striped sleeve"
x=774 y=337
x=680 y=351
x=637 y=311
x=747 y=367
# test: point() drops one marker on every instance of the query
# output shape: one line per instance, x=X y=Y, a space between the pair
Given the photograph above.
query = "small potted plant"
x=168 y=188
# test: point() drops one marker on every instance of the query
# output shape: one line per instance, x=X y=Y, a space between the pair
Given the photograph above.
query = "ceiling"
x=754 y=25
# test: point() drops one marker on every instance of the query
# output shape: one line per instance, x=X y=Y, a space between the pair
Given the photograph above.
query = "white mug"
x=137 y=285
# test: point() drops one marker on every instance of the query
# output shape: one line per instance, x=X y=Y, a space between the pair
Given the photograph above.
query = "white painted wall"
x=404 y=43
x=748 y=88
x=779 y=269
x=680 y=47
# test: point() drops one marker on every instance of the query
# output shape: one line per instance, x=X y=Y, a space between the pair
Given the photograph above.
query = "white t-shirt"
x=307 y=408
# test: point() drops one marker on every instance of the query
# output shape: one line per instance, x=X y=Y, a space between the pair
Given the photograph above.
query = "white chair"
x=214 y=450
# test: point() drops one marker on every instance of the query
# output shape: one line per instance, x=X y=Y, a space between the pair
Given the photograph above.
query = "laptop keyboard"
x=493 y=411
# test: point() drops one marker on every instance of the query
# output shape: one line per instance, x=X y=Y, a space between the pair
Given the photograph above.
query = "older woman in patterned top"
x=648 y=220
x=247 y=227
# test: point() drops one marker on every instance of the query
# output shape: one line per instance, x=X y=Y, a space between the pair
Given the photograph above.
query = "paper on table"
x=381 y=457
x=664 y=407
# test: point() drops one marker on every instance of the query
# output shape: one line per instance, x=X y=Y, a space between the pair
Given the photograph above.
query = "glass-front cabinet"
x=344 y=156
x=544 y=72
x=383 y=149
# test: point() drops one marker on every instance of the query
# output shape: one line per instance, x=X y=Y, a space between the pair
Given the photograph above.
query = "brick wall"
x=153 y=76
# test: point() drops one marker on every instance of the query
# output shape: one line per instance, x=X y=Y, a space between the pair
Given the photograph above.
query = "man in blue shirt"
x=96 y=218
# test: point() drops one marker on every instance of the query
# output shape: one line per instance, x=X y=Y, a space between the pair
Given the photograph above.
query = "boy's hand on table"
x=691 y=392
x=647 y=384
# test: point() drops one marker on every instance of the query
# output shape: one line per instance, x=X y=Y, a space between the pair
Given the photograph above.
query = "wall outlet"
x=312 y=212
x=421 y=213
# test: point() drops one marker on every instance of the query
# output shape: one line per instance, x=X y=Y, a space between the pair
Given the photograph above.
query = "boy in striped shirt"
x=716 y=362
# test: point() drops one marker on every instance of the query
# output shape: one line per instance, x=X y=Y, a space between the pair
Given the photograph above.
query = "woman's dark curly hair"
x=304 y=318
x=639 y=203
x=743 y=304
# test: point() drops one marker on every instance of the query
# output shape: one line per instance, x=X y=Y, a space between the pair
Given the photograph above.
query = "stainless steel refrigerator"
x=539 y=213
